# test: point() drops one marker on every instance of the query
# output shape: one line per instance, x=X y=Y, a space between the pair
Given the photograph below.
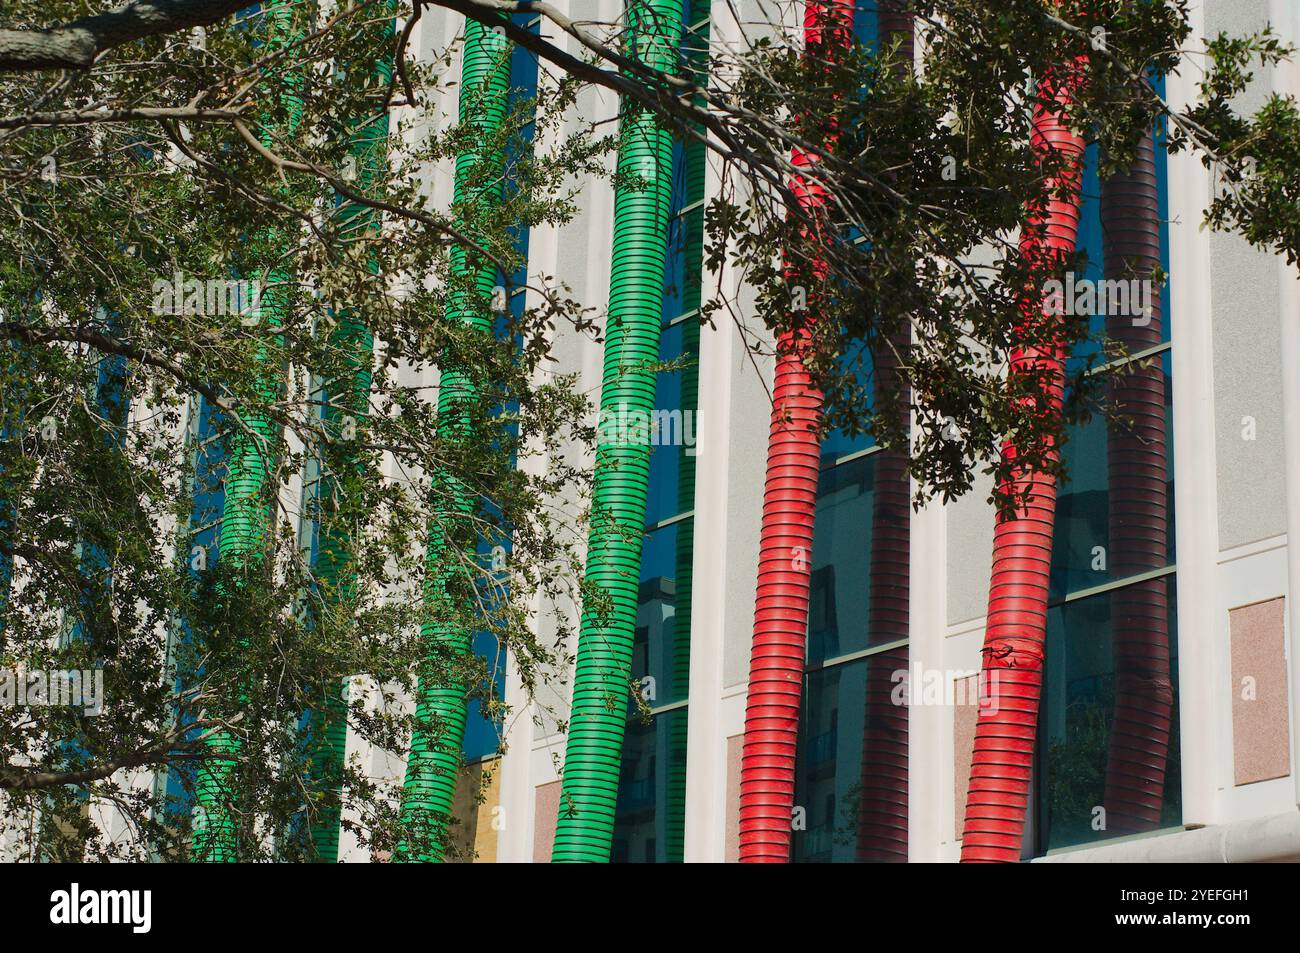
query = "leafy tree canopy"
x=166 y=140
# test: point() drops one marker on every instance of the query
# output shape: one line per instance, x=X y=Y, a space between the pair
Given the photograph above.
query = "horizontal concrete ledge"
x=1272 y=839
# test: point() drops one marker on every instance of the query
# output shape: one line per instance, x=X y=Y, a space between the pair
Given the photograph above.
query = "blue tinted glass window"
x=661 y=651
x=1121 y=482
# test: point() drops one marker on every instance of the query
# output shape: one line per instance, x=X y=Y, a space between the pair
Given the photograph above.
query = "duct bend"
x=589 y=793
x=434 y=760
x=1015 y=633
x=767 y=773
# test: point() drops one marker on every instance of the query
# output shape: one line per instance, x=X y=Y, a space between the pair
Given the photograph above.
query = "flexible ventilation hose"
x=767 y=773
x=245 y=523
x=1139 y=514
x=327 y=729
x=585 y=827
x=1014 y=639
x=434 y=759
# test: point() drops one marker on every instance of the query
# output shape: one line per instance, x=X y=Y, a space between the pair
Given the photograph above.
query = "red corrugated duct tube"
x=1139 y=514
x=785 y=545
x=1015 y=632
x=881 y=834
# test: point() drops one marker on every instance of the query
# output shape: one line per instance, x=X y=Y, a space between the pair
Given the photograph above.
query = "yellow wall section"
x=474 y=840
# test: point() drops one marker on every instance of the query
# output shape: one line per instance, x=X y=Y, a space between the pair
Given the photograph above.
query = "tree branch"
x=86 y=117
x=172 y=746
x=76 y=45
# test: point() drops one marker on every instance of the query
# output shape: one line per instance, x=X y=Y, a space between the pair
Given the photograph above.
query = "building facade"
x=880 y=781
x=899 y=596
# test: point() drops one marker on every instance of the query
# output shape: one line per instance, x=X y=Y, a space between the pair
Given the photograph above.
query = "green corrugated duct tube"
x=244 y=525
x=585 y=827
x=327 y=729
x=435 y=754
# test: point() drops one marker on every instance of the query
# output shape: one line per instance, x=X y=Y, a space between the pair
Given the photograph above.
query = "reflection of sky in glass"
x=678 y=423
x=1090 y=246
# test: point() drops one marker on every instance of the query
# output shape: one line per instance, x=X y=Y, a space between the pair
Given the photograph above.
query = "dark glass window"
x=1109 y=752
x=852 y=777
x=650 y=817
x=1108 y=747
x=1102 y=490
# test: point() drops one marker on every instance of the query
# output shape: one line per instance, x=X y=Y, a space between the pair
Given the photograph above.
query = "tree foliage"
x=134 y=152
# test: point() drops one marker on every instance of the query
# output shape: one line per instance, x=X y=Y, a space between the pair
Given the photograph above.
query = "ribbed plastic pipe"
x=767 y=773
x=593 y=753
x=434 y=759
x=1015 y=633
x=244 y=524
x=882 y=784
x=327 y=729
x=245 y=521
x=1139 y=514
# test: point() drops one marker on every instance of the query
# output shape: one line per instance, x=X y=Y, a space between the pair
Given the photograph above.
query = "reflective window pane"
x=1109 y=754
x=650 y=817
x=661 y=652
x=851 y=783
x=860 y=554
x=674 y=428
x=1115 y=516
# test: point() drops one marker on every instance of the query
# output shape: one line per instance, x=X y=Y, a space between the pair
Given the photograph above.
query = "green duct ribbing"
x=435 y=755
x=245 y=523
x=327 y=728
x=585 y=828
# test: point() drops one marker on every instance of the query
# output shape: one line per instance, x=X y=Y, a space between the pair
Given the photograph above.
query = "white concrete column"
x=929 y=758
x=1286 y=20
x=1201 y=662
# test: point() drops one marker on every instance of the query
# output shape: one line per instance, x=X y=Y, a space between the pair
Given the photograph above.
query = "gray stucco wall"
x=970 y=552
x=1245 y=307
x=751 y=416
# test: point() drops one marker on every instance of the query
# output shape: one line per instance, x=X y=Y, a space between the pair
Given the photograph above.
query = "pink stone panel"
x=964 y=718
x=1261 y=739
x=735 y=747
x=544 y=817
